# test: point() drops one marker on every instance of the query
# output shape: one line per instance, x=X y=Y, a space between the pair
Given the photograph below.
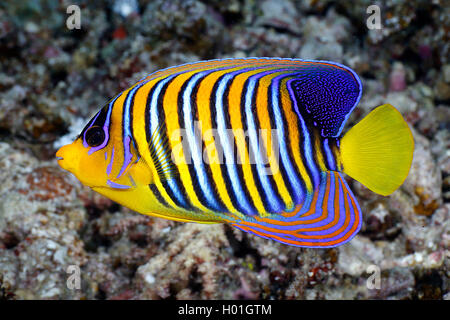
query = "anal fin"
x=330 y=217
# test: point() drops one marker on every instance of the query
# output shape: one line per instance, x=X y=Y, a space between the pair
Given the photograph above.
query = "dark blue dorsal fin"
x=325 y=94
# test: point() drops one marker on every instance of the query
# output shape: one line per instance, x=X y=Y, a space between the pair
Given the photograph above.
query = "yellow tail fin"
x=378 y=151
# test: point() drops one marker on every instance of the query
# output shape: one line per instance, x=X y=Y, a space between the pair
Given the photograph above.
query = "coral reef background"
x=53 y=79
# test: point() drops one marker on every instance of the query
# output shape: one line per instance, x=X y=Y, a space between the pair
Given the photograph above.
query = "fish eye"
x=95 y=136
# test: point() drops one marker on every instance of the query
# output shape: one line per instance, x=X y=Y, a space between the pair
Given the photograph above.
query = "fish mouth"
x=59 y=157
x=65 y=158
x=60 y=161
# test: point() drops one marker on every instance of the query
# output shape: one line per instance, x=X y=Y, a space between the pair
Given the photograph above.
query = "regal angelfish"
x=254 y=142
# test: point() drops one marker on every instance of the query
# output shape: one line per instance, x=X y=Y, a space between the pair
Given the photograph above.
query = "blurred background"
x=54 y=77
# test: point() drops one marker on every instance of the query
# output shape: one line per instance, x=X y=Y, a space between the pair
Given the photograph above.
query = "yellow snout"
x=68 y=157
x=90 y=169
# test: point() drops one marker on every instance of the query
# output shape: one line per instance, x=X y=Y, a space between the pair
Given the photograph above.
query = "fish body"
x=252 y=142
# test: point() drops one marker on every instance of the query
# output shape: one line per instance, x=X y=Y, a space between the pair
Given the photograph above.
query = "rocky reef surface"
x=53 y=79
